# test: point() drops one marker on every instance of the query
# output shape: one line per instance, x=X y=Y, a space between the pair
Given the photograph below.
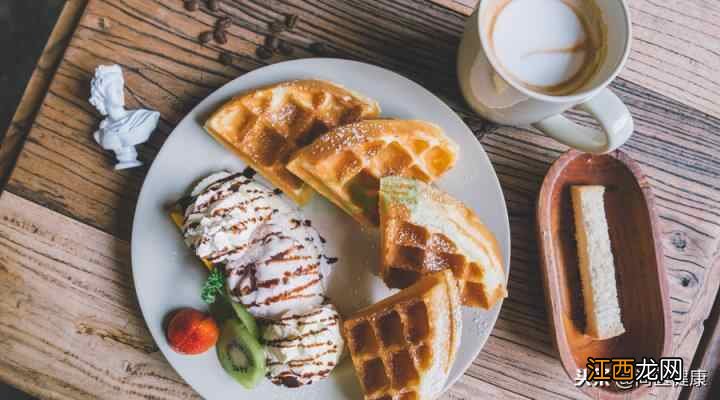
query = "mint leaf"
x=214 y=285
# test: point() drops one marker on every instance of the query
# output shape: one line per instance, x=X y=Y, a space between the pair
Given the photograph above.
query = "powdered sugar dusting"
x=480 y=323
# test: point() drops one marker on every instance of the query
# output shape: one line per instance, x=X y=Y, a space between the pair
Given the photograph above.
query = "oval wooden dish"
x=640 y=273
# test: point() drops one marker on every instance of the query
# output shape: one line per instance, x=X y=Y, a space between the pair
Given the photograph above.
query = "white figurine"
x=122 y=130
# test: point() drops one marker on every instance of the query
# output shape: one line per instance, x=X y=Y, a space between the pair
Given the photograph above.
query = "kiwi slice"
x=240 y=354
x=245 y=317
x=225 y=308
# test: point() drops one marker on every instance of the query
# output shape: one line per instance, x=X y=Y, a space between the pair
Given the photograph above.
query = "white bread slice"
x=597 y=266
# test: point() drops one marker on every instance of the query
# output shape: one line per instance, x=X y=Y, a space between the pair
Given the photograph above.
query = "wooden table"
x=70 y=326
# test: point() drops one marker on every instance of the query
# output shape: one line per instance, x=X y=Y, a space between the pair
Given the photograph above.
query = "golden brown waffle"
x=266 y=126
x=424 y=230
x=346 y=164
x=403 y=346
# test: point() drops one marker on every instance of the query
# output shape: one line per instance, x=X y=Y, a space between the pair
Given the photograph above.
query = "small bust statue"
x=122 y=130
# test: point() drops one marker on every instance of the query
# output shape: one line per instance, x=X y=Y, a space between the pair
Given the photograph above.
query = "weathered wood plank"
x=12 y=142
x=707 y=356
x=70 y=326
x=676 y=50
x=465 y=7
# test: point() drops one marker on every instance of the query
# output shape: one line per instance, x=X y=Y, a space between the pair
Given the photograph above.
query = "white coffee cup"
x=498 y=96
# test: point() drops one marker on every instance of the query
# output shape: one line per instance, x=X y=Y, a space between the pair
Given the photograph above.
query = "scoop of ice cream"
x=303 y=348
x=272 y=257
x=280 y=271
x=226 y=210
x=209 y=180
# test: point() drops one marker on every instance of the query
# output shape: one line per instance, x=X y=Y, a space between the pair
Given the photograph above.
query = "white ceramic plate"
x=167 y=276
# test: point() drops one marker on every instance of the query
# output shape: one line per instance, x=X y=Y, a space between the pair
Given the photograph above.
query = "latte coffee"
x=553 y=47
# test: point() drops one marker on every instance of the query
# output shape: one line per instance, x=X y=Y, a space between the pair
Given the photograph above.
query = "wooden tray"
x=641 y=277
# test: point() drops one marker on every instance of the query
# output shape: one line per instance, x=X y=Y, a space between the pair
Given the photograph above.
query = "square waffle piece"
x=424 y=230
x=403 y=347
x=346 y=164
x=264 y=127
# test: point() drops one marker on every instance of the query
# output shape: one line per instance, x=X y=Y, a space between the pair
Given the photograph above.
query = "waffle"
x=346 y=164
x=264 y=127
x=423 y=230
x=403 y=347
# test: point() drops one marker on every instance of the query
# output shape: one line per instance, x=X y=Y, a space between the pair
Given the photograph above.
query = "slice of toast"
x=597 y=266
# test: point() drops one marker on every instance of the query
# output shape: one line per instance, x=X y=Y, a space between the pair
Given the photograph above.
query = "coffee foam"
x=548 y=46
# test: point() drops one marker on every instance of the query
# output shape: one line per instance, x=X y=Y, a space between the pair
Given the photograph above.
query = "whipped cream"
x=226 y=210
x=273 y=258
x=281 y=270
x=303 y=348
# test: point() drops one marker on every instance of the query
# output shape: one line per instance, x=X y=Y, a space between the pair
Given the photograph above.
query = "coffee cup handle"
x=615 y=121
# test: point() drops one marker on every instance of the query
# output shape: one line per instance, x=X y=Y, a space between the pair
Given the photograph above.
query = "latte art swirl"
x=553 y=47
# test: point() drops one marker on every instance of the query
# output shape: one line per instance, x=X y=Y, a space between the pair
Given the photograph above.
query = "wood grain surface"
x=708 y=356
x=66 y=214
x=11 y=143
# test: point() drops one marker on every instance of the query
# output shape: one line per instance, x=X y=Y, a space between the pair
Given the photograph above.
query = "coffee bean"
x=263 y=53
x=276 y=27
x=291 y=21
x=192 y=5
x=319 y=47
x=205 y=37
x=213 y=5
x=226 y=59
x=248 y=172
x=285 y=48
x=224 y=23
x=220 y=36
x=270 y=42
